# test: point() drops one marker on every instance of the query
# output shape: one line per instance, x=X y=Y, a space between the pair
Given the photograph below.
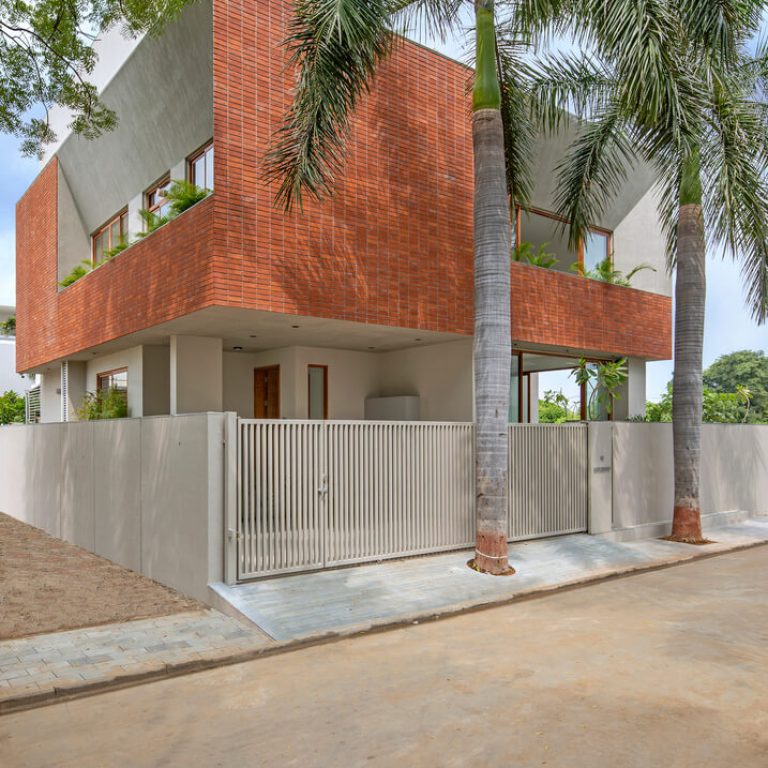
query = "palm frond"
x=336 y=46
x=593 y=171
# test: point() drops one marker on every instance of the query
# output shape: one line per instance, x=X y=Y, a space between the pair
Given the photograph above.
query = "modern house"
x=357 y=308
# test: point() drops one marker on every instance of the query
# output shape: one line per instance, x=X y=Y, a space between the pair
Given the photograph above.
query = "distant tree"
x=718 y=407
x=747 y=369
x=47 y=56
x=11 y=408
x=8 y=327
x=556 y=408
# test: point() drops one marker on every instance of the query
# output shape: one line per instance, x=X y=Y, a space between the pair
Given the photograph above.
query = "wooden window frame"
x=122 y=217
x=155 y=188
x=325 y=389
x=196 y=155
x=108 y=374
x=562 y=220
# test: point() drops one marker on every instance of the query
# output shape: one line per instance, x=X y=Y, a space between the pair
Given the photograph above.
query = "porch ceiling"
x=257 y=331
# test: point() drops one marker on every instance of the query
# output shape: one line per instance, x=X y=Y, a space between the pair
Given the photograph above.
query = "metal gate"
x=548 y=467
x=314 y=494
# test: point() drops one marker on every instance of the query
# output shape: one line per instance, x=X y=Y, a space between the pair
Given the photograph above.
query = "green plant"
x=556 y=408
x=152 y=221
x=604 y=380
x=539 y=258
x=183 y=195
x=605 y=273
x=112 y=252
x=11 y=408
x=78 y=271
x=8 y=327
x=110 y=404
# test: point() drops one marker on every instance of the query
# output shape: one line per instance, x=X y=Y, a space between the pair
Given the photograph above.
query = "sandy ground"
x=665 y=669
x=47 y=585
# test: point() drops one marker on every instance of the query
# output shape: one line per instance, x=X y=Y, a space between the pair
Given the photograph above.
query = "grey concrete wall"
x=145 y=493
x=734 y=471
x=163 y=97
x=196 y=374
x=73 y=237
x=156 y=380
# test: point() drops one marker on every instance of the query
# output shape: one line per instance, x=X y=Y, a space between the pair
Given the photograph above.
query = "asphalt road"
x=663 y=669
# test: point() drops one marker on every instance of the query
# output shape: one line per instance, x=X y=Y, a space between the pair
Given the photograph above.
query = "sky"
x=728 y=324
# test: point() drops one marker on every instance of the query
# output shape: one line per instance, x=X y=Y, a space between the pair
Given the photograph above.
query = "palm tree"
x=672 y=83
x=337 y=47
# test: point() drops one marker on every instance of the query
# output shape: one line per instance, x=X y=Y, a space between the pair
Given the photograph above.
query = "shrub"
x=11 y=408
x=83 y=268
x=8 y=327
x=540 y=258
x=103 y=405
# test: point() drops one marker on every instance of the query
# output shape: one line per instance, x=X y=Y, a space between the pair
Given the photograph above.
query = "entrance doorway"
x=266 y=392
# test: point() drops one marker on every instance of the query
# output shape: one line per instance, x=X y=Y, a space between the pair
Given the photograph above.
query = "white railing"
x=316 y=494
x=548 y=466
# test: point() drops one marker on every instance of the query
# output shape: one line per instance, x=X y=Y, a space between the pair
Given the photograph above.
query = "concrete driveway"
x=667 y=668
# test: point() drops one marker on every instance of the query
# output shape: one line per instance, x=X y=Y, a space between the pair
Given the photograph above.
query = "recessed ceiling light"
x=237 y=349
x=371 y=347
x=295 y=326
x=417 y=339
x=253 y=336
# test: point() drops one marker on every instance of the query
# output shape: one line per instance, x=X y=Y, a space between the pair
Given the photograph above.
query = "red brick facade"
x=392 y=247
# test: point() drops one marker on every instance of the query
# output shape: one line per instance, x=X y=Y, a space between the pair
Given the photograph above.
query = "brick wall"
x=157 y=279
x=392 y=247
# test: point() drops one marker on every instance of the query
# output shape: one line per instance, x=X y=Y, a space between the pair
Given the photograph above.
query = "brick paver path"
x=60 y=661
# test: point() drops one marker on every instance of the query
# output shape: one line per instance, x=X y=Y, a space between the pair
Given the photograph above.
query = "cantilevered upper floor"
x=392 y=249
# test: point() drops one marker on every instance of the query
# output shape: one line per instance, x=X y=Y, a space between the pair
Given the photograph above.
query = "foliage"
x=602 y=380
x=78 y=271
x=718 y=407
x=745 y=368
x=604 y=272
x=556 y=408
x=8 y=327
x=184 y=194
x=11 y=408
x=112 y=252
x=539 y=258
x=47 y=56
x=110 y=404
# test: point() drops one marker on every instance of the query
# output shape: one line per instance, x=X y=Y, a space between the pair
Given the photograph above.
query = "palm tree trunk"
x=687 y=390
x=492 y=332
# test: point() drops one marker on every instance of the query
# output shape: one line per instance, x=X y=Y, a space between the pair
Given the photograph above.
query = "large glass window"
x=112 y=234
x=201 y=168
x=547 y=232
x=596 y=249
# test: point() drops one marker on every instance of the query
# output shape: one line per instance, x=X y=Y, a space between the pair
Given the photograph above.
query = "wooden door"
x=266 y=392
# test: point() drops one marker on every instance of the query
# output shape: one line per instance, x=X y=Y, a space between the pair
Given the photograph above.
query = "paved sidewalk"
x=41 y=668
x=355 y=599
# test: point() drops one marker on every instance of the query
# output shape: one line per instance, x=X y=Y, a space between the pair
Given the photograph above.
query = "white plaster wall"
x=734 y=471
x=196 y=374
x=638 y=239
x=238 y=380
x=132 y=359
x=440 y=374
x=145 y=493
x=352 y=377
x=163 y=97
x=73 y=238
x=50 y=395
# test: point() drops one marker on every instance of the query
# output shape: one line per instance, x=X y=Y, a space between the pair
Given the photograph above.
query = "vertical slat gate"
x=547 y=480
x=315 y=494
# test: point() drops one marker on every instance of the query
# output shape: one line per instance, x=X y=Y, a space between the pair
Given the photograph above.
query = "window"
x=201 y=167
x=116 y=379
x=317 y=387
x=543 y=228
x=114 y=232
x=154 y=198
